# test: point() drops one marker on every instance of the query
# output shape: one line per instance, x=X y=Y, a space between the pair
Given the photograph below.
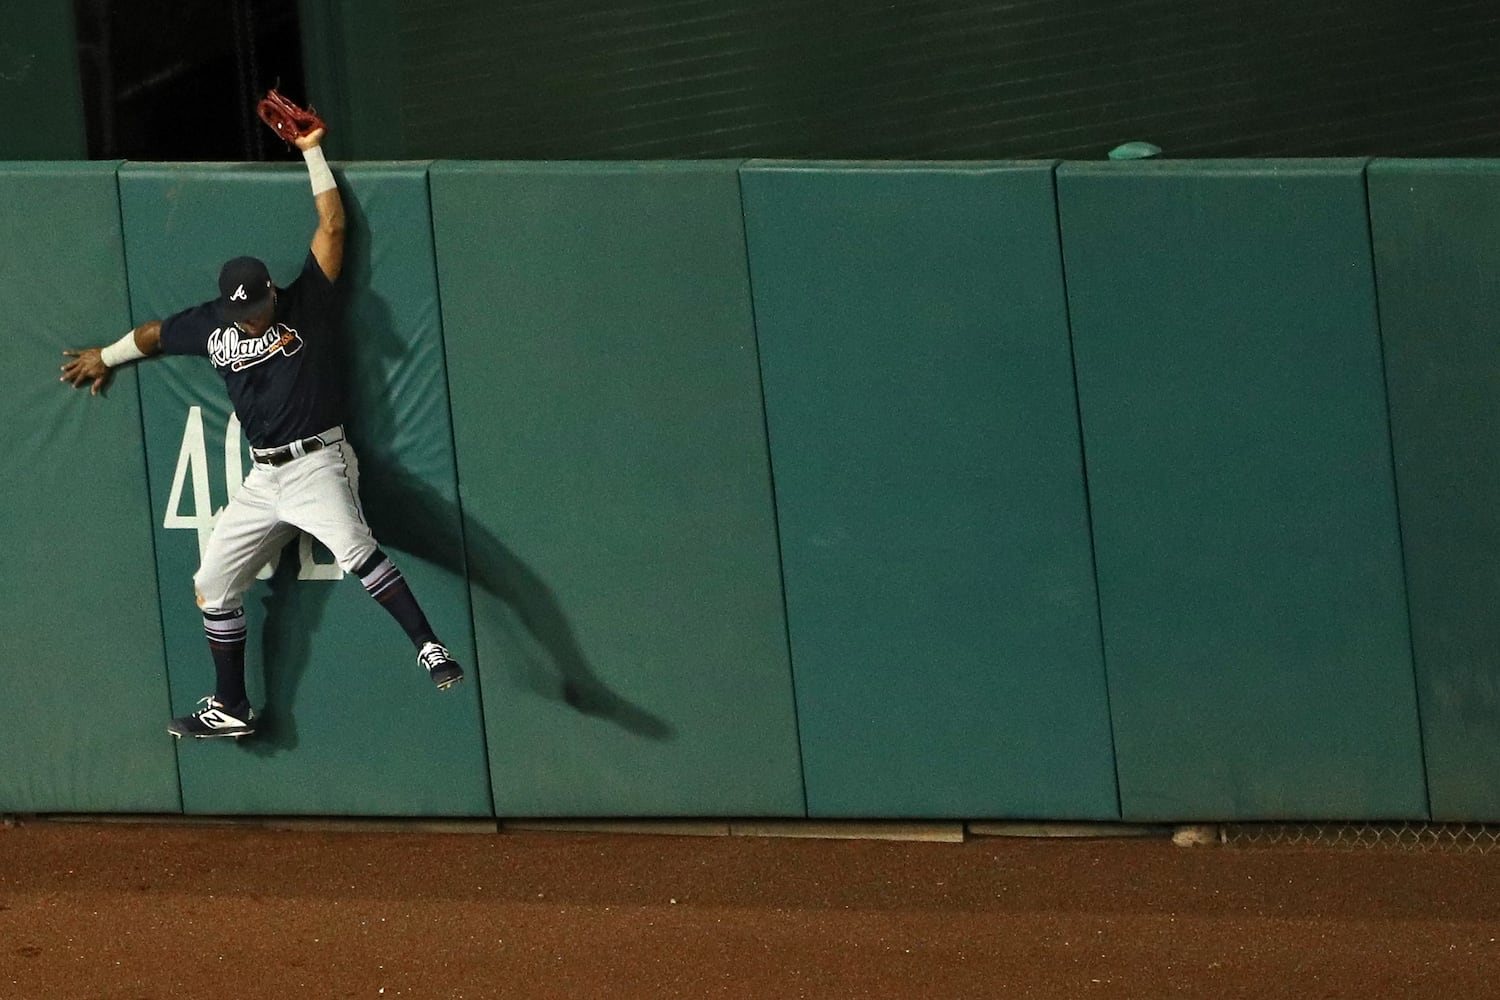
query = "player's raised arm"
x=304 y=128
x=93 y=365
x=328 y=239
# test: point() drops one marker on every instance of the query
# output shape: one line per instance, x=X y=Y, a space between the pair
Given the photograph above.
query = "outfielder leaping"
x=276 y=350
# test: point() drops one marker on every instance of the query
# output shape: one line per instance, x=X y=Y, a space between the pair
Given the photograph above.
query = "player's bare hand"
x=311 y=139
x=86 y=368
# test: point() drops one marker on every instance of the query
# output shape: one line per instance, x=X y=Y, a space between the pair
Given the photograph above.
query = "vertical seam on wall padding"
x=1390 y=440
x=140 y=412
x=1088 y=501
x=458 y=498
x=765 y=417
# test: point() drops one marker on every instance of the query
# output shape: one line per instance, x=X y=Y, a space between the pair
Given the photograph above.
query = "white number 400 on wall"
x=192 y=471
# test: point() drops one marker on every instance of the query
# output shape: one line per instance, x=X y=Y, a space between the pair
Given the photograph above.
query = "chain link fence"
x=1464 y=838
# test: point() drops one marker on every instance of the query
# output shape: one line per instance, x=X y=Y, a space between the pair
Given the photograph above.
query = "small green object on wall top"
x=1134 y=151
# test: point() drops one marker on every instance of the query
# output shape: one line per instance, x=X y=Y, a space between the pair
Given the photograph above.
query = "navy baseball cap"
x=244 y=288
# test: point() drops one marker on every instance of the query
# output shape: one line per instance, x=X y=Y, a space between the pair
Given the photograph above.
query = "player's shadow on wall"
x=409 y=515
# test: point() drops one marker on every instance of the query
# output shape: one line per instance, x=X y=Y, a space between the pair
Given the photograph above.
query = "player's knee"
x=360 y=558
x=218 y=607
x=204 y=587
x=212 y=594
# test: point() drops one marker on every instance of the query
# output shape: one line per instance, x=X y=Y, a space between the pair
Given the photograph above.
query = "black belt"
x=306 y=446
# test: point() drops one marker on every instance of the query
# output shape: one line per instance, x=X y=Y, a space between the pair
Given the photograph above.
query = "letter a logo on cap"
x=239 y=295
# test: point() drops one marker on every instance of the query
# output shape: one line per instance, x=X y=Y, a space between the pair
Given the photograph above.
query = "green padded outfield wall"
x=79 y=632
x=1436 y=227
x=1239 y=467
x=929 y=489
x=352 y=725
x=613 y=469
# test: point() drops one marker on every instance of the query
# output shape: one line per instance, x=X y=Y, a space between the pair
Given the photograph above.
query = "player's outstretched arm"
x=328 y=239
x=93 y=365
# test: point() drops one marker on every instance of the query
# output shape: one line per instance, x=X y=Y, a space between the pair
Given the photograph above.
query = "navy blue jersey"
x=286 y=384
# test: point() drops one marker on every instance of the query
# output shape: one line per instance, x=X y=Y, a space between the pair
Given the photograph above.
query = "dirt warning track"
x=141 y=911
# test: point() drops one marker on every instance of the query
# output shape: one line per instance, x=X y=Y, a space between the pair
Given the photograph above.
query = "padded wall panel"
x=1437 y=250
x=929 y=485
x=351 y=723
x=613 y=466
x=1239 y=466
x=83 y=696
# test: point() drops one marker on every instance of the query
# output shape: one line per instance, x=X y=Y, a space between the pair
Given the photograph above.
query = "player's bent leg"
x=327 y=507
x=244 y=538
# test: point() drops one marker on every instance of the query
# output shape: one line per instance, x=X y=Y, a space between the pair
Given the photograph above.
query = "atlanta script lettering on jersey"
x=229 y=348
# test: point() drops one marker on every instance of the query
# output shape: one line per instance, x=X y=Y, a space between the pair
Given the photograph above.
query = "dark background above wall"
x=980 y=79
x=690 y=79
x=178 y=79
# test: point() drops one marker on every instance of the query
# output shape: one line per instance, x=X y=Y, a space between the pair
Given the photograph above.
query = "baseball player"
x=276 y=349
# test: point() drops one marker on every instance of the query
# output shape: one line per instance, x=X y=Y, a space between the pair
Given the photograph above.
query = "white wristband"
x=121 y=351
x=317 y=170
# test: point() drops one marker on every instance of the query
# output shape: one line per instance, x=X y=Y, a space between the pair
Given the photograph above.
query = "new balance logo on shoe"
x=215 y=719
